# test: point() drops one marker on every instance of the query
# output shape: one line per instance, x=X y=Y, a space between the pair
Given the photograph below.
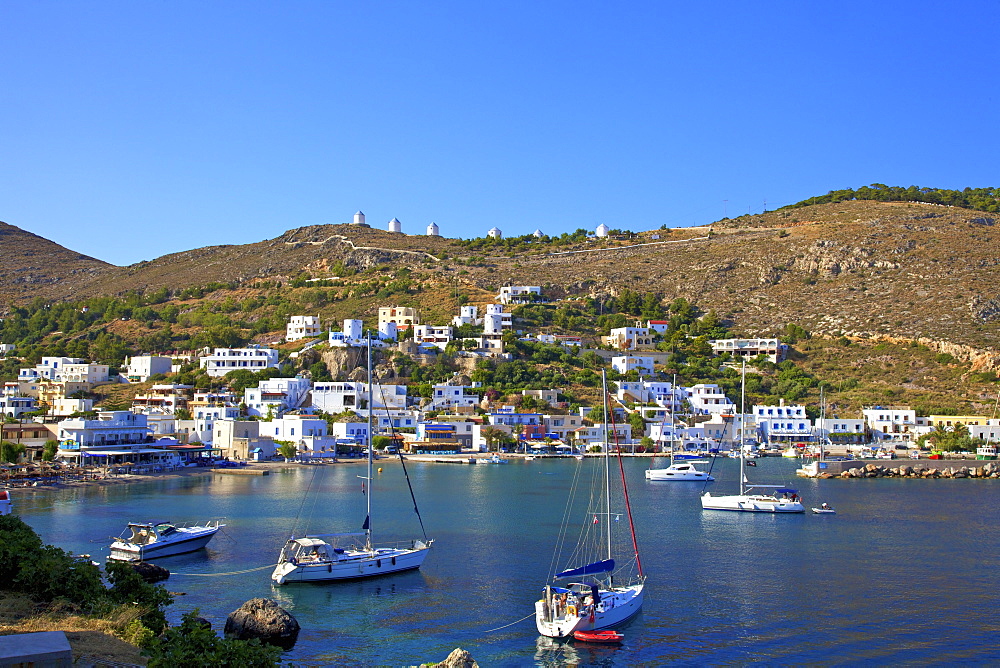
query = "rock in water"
x=151 y=572
x=458 y=658
x=264 y=619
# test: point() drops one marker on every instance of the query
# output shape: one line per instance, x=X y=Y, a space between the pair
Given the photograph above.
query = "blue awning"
x=785 y=490
x=605 y=566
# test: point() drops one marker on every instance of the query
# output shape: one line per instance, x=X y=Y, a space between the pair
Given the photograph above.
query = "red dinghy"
x=607 y=635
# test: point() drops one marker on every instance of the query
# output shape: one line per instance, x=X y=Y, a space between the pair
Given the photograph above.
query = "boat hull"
x=751 y=503
x=679 y=476
x=125 y=551
x=616 y=607
x=351 y=566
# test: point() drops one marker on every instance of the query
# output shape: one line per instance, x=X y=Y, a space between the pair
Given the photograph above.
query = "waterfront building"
x=224 y=360
x=782 y=424
x=891 y=422
x=840 y=430
x=337 y=397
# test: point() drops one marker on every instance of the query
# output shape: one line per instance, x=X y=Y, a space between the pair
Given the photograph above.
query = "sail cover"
x=605 y=566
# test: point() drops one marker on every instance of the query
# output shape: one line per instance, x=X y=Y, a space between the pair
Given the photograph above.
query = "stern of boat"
x=555 y=627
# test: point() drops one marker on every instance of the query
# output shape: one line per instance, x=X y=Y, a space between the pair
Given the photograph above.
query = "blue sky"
x=129 y=130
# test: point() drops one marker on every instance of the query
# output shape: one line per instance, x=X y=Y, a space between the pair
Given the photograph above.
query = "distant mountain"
x=901 y=270
x=31 y=265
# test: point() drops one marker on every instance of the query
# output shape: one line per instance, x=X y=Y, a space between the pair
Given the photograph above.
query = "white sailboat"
x=349 y=556
x=599 y=593
x=748 y=500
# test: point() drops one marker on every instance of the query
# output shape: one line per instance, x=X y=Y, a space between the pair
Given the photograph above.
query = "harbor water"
x=905 y=572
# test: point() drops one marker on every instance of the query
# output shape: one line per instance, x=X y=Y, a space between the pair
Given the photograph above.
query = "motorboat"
x=599 y=594
x=495 y=459
x=6 y=507
x=682 y=470
x=151 y=540
x=353 y=555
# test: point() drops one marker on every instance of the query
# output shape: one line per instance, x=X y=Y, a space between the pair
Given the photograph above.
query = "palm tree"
x=493 y=436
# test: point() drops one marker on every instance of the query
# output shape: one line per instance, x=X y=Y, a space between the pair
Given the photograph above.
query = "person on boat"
x=825 y=506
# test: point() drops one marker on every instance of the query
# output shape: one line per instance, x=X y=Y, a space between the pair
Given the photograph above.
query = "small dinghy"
x=605 y=636
x=825 y=509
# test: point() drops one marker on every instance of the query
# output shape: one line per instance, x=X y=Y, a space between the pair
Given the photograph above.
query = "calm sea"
x=906 y=572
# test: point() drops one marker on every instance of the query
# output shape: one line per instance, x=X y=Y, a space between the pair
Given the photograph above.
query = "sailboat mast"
x=607 y=459
x=371 y=486
x=743 y=404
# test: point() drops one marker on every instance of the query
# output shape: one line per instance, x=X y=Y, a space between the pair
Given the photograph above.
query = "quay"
x=246 y=471
x=901 y=468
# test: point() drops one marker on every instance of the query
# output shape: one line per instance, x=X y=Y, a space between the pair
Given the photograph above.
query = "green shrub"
x=191 y=644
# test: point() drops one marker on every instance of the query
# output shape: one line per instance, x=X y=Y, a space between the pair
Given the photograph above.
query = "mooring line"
x=215 y=575
x=500 y=628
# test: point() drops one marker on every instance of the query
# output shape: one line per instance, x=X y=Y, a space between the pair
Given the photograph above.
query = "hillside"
x=904 y=271
x=30 y=265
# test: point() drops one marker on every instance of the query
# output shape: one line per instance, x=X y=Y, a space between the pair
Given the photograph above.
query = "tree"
x=287 y=449
x=637 y=423
x=182 y=414
x=11 y=452
x=49 y=450
x=492 y=436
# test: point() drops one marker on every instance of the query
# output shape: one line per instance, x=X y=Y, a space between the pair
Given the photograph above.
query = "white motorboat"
x=825 y=509
x=601 y=593
x=6 y=507
x=747 y=500
x=681 y=470
x=495 y=459
x=152 y=540
x=348 y=556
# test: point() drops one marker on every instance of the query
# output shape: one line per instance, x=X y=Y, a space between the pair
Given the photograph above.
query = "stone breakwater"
x=987 y=470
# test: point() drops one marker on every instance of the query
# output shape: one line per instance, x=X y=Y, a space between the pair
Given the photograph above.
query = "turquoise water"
x=906 y=572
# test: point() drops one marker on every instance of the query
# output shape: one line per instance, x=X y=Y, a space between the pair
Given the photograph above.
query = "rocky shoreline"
x=987 y=470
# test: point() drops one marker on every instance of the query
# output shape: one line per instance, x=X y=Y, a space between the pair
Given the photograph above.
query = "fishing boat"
x=599 y=593
x=351 y=555
x=748 y=500
x=6 y=507
x=151 y=540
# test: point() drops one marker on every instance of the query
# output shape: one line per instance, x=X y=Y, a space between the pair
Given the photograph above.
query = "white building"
x=6 y=349
x=891 y=422
x=625 y=363
x=66 y=369
x=467 y=315
x=840 y=430
x=395 y=226
x=12 y=405
x=602 y=230
x=109 y=428
x=336 y=397
x=497 y=319
x=224 y=360
x=445 y=396
x=629 y=338
x=352 y=334
x=165 y=398
x=773 y=349
x=433 y=231
x=495 y=233
x=709 y=399
x=308 y=434
x=141 y=367
x=658 y=326
x=355 y=432
x=359 y=218
x=782 y=423
x=67 y=407
x=302 y=327
x=274 y=396
x=519 y=294
x=433 y=335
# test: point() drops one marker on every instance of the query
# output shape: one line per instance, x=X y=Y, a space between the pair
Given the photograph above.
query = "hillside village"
x=256 y=410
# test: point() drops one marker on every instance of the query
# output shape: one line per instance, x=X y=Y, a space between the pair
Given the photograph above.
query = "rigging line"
x=499 y=628
x=399 y=453
x=564 y=524
x=306 y=496
x=215 y=575
x=628 y=504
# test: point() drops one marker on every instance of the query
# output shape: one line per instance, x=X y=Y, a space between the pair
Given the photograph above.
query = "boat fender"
x=394 y=561
x=571 y=610
x=329 y=568
x=378 y=563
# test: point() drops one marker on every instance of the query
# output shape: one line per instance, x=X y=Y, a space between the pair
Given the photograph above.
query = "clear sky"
x=129 y=130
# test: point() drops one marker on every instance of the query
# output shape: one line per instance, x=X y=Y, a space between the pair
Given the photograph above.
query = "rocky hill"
x=899 y=271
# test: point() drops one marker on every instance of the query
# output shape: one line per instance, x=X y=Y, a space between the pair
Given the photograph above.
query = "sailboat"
x=598 y=594
x=679 y=469
x=748 y=500
x=354 y=555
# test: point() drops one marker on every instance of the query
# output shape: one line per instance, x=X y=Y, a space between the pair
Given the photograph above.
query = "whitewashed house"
x=432 y=335
x=337 y=397
x=467 y=315
x=891 y=422
x=65 y=369
x=519 y=294
x=625 y=363
x=773 y=349
x=351 y=335
x=141 y=367
x=709 y=399
x=302 y=327
x=224 y=360
x=782 y=424
x=274 y=396
x=445 y=397
x=629 y=338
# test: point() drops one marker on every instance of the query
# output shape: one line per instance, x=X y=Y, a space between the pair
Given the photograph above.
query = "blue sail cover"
x=605 y=566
